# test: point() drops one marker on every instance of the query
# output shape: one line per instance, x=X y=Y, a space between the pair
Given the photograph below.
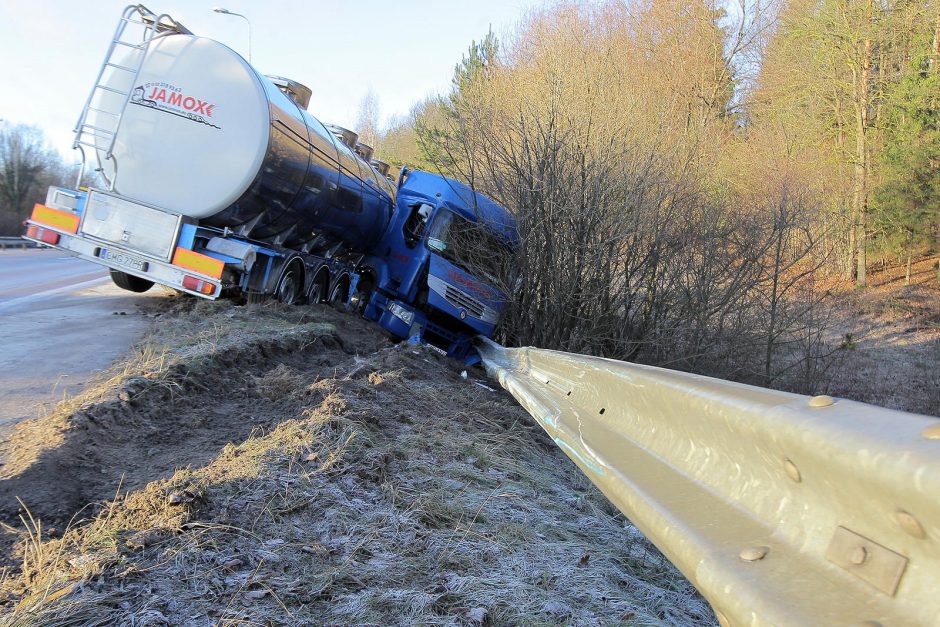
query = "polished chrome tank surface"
x=206 y=136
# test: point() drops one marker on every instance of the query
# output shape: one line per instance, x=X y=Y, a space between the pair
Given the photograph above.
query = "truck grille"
x=461 y=300
x=458 y=299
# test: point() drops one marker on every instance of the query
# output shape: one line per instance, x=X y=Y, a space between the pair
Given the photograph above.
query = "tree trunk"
x=936 y=43
x=774 y=302
x=936 y=68
x=861 y=147
x=848 y=268
x=907 y=275
x=850 y=249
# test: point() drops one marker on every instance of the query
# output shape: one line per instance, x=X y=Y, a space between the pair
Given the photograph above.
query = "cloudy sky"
x=50 y=50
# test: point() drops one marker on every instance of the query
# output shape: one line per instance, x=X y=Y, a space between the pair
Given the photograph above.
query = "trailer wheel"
x=320 y=288
x=340 y=294
x=290 y=284
x=130 y=282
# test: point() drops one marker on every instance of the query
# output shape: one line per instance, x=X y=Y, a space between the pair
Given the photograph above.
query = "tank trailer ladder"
x=145 y=26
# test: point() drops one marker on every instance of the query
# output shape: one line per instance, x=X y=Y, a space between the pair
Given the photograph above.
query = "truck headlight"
x=405 y=315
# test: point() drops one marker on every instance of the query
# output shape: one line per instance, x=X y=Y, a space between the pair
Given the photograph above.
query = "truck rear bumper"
x=124 y=260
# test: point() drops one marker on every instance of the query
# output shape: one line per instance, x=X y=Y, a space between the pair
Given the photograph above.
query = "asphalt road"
x=58 y=328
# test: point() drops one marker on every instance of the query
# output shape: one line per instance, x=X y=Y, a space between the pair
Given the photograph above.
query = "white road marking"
x=40 y=295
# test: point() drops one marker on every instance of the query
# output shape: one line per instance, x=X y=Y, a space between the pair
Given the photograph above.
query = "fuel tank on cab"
x=205 y=135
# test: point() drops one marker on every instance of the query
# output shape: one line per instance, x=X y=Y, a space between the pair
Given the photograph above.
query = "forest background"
x=747 y=190
x=750 y=191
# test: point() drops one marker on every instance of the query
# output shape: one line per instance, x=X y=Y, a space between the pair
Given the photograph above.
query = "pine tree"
x=907 y=203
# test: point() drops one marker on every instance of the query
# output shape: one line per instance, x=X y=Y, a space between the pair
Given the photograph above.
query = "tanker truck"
x=215 y=179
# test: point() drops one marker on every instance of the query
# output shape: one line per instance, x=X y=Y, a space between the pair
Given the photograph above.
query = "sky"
x=50 y=50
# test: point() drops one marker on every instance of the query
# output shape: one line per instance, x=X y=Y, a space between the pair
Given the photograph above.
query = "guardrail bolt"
x=753 y=553
x=859 y=555
x=821 y=401
x=932 y=432
x=792 y=471
x=909 y=524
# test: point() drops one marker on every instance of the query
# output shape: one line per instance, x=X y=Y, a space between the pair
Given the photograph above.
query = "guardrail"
x=781 y=509
x=15 y=242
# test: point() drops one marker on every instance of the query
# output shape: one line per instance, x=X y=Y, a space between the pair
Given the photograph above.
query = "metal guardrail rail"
x=15 y=242
x=781 y=509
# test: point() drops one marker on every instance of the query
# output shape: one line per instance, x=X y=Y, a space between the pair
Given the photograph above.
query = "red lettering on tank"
x=175 y=101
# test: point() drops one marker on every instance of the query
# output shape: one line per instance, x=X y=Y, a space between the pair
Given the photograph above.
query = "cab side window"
x=414 y=225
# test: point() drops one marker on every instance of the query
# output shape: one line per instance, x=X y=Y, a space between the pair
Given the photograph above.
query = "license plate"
x=124 y=260
x=436 y=349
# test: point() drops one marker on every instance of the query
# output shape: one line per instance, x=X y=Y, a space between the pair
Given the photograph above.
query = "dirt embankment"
x=261 y=466
x=891 y=340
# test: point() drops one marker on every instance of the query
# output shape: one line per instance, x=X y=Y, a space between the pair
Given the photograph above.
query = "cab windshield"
x=470 y=246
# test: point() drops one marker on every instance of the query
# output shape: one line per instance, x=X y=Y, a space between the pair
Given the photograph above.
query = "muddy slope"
x=298 y=469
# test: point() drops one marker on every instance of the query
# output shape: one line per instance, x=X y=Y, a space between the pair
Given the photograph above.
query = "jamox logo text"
x=176 y=99
x=171 y=99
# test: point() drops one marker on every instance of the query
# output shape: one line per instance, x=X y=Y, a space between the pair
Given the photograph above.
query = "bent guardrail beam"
x=780 y=508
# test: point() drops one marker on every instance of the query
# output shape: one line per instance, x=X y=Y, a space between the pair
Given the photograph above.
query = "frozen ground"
x=261 y=465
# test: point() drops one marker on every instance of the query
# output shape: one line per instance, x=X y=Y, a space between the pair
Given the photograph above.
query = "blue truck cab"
x=437 y=270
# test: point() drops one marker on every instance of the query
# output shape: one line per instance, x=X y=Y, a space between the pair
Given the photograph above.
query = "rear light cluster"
x=43 y=235
x=198 y=285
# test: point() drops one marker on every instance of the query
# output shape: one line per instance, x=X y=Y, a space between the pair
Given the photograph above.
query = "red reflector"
x=198 y=285
x=43 y=235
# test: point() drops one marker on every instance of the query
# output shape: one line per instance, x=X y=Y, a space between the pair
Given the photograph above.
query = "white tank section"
x=191 y=140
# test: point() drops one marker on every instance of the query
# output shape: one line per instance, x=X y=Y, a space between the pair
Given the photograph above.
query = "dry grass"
x=892 y=333
x=366 y=484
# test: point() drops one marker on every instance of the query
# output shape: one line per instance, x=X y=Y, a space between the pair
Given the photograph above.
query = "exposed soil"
x=257 y=465
x=158 y=421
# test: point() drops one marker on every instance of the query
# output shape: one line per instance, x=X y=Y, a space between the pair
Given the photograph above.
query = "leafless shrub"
x=632 y=246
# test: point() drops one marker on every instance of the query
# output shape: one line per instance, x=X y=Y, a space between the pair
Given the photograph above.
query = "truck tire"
x=130 y=282
x=320 y=288
x=291 y=283
x=340 y=294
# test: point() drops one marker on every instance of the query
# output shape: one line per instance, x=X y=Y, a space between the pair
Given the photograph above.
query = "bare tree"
x=27 y=167
x=631 y=247
x=367 y=121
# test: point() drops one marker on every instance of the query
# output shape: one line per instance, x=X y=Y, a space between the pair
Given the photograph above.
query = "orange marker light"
x=203 y=264
x=62 y=220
